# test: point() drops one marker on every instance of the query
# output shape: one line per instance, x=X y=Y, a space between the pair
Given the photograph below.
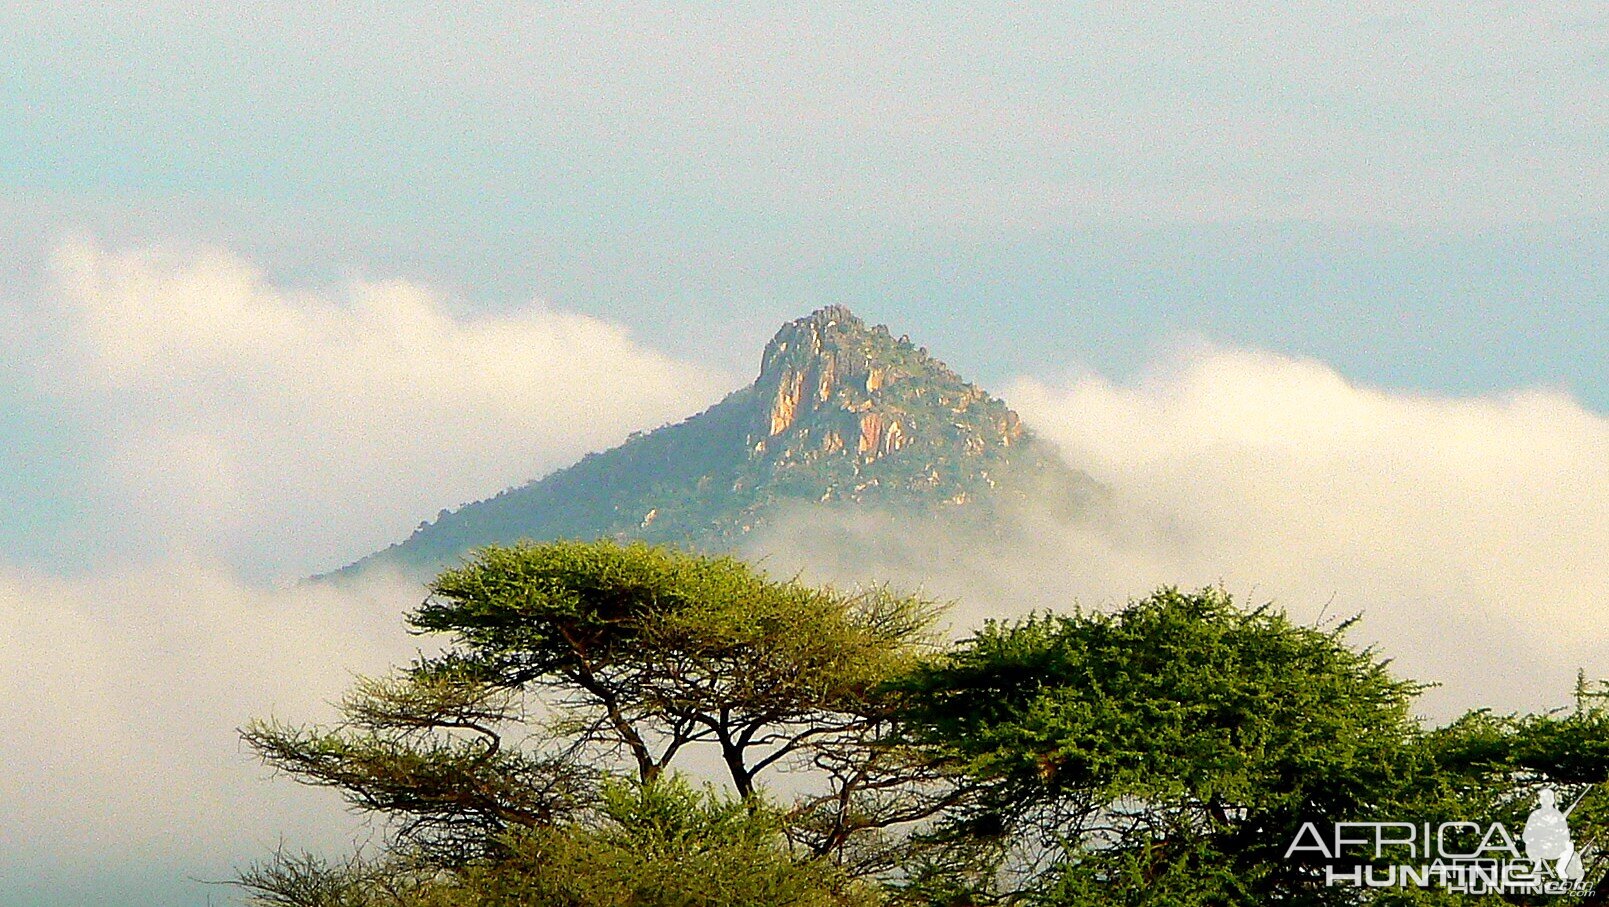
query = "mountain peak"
x=841 y=414
x=830 y=384
x=818 y=337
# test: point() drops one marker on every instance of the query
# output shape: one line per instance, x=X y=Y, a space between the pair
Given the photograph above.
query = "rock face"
x=841 y=414
x=819 y=370
x=837 y=398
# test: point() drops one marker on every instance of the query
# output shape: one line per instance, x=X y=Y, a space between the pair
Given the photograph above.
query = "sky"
x=1316 y=288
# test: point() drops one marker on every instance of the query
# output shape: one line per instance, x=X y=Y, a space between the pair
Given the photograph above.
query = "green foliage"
x=663 y=844
x=1175 y=744
x=649 y=649
x=1163 y=753
x=1177 y=696
x=1569 y=748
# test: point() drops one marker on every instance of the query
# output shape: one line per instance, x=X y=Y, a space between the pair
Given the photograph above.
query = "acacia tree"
x=650 y=649
x=601 y=654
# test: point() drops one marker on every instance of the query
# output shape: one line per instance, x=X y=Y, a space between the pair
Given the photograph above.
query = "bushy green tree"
x=1168 y=752
x=1162 y=748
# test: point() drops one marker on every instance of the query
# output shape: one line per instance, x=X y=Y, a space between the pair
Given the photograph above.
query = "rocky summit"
x=842 y=415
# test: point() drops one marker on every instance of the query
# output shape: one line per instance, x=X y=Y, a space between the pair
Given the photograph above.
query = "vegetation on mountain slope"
x=841 y=415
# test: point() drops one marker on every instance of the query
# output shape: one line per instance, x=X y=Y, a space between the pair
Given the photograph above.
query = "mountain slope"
x=841 y=415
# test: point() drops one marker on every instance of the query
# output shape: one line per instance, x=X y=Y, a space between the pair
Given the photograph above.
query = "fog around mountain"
x=1467 y=531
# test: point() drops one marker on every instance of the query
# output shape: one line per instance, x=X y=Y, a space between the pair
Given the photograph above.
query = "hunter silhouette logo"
x=1547 y=837
x=1456 y=856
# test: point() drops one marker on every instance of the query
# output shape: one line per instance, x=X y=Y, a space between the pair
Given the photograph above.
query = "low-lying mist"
x=1467 y=533
x=122 y=694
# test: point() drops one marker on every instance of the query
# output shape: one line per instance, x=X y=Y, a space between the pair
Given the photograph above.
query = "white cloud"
x=122 y=694
x=1470 y=532
x=298 y=430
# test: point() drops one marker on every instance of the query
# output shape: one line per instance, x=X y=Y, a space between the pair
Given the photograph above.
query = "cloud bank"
x=238 y=425
x=1469 y=532
x=231 y=431
x=296 y=430
x=122 y=693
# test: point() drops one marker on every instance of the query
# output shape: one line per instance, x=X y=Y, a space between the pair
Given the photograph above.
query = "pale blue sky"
x=1415 y=195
